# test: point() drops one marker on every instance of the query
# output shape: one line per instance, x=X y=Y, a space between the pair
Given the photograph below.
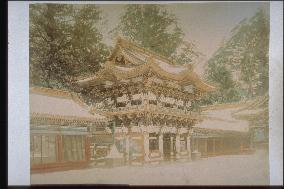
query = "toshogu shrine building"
x=149 y=99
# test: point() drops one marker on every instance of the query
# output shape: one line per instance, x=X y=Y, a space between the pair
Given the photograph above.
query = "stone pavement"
x=221 y=170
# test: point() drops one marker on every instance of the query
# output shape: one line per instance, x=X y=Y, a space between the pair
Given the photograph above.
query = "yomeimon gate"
x=149 y=99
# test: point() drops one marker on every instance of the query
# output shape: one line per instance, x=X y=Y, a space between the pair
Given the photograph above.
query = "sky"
x=205 y=24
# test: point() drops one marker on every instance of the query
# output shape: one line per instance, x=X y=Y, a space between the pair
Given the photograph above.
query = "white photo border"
x=18 y=89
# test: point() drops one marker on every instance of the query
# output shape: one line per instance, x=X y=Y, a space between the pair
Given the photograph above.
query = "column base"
x=135 y=163
x=154 y=162
x=178 y=156
x=189 y=156
x=182 y=160
x=196 y=156
x=146 y=159
x=114 y=162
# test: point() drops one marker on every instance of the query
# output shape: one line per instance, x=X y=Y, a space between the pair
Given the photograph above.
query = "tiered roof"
x=138 y=61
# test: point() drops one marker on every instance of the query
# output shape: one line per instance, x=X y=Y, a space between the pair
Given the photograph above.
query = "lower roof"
x=59 y=103
x=222 y=119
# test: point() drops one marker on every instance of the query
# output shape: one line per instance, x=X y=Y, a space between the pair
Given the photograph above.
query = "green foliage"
x=240 y=66
x=186 y=53
x=86 y=40
x=64 y=43
x=222 y=75
x=154 y=28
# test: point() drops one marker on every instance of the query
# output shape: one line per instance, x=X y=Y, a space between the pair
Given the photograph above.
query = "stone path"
x=221 y=170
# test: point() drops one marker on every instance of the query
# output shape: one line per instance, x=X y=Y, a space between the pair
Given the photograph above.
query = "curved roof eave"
x=158 y=64
x=141 y=69
x=59 y=103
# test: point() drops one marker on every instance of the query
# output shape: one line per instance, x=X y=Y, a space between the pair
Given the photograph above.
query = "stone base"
x=154 y=162
x=182 y=159
x=114 y=162
x=196 y=156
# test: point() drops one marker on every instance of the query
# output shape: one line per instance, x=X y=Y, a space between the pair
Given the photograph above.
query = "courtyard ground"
x=250 y=169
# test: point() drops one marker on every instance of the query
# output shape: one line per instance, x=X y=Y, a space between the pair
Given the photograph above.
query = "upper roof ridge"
x=126 y=43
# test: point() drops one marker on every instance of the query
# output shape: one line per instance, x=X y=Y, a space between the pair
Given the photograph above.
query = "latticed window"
x=153 y=102
x=120 y=144
x=183 y=143
x=43 y=149
x=136 y=102
x=168 y=105
x=153 y=142
x=100 y=128
x=121 y=104
x=137 y=99
x=135 y=146
x=73 y=148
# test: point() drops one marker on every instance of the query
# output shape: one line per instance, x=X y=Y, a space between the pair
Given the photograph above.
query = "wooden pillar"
x=214 y=143
x=172 y=149
x=241 y=144
x=161 y=145
x=252 y=138
x=197 y=143
x=127 y=148
x=88 y=148
x=188 y=146
x=59 y=155
x=206 y=147
x=227 y=145
x=224 y=145
x=146 y=147
x=177 y=145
